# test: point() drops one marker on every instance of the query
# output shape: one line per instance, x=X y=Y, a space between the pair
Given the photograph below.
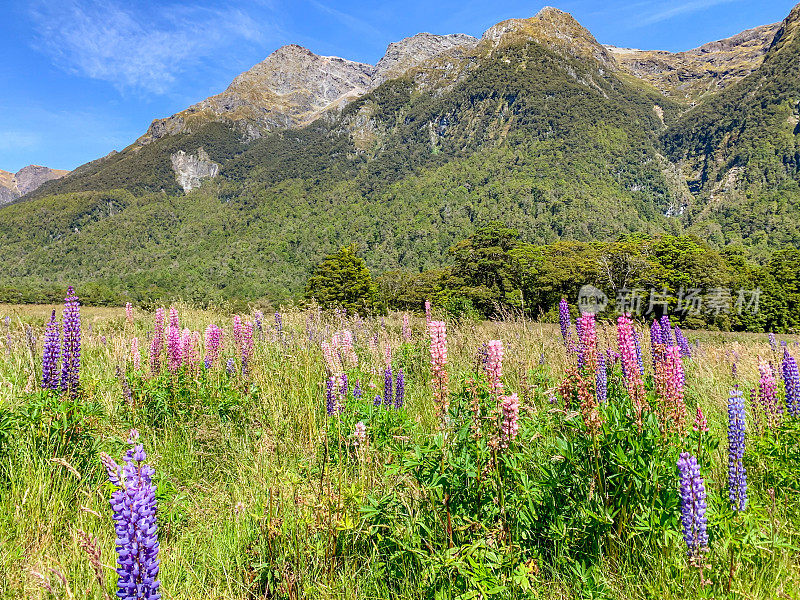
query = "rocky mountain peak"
x=24 y=181
x=555 y=29
x=416 y=50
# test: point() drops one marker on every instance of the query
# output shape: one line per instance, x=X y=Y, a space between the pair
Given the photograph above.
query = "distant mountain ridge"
x=536 y=124
x=24 y=181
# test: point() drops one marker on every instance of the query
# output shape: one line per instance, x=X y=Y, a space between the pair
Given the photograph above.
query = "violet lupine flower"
x=773 y=342
x=494 y=365
x=682 y=343
x=734 y=370
x=737 y=475
x=791 y=380
x=258 y=316
x=388 y=387
x=134 y=506
x=399 y=389
x=278 y=323
x=601 y=379
x=693 y=506
x=564 y=320
x=330 y=396
x=52 y=350
x=666 y=331
x=343 y=385
x=377 y=401
x=71 y=348
x=357 y=393
x=509 y=427
x=230 y=367
x=213 y=345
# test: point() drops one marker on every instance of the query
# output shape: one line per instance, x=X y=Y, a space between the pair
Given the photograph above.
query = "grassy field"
x=263 y=494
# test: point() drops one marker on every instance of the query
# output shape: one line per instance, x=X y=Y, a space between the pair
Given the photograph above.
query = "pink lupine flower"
x=157 y=343
x=213 y=345
x=135 y=356
x=494 y=365
x=428 y=313
x=588 y=341
x=247 y=345
x=332 y=361
x=700 y=422
x=509 y=427
x=673 y=393
x=359 y=434
x=342 y=344
x=237 y=332
x=630 y=365
x=438 y=333
x=129 y=312
x=406 y=328
x=387 y=355
x=767 y=393
x=173 y=345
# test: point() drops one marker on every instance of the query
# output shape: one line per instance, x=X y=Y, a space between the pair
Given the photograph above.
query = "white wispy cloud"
x=669 y=10
x=145 y=49
x=351 y=22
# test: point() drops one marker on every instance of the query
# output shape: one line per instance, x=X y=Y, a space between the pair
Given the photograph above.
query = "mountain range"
x=535 y=124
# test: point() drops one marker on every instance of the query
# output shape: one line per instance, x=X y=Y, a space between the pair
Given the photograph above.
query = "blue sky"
x=83 y=77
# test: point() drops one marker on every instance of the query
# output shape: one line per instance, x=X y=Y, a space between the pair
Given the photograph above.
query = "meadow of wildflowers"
x=192 y=454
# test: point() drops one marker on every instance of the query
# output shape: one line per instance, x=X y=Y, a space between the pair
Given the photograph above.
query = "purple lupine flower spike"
x=330 y=398
x=134 y=505
x=666 y=331
x=400 y=389
x=377 y=401
x=564 y=320
x=388 y=389
x=52 y=350
x=71 y=348
x=683 y=343
x=357 y=389
x=737 y=475
x=693 y=506
x=791 y=380
x=601 y=379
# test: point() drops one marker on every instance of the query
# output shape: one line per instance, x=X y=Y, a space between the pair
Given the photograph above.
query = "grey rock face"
x=190 y=169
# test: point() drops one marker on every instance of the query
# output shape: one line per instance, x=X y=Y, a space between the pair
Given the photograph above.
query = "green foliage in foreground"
x=262 y=493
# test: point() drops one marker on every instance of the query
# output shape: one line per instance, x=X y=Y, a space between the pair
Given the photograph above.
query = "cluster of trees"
x=493 y=271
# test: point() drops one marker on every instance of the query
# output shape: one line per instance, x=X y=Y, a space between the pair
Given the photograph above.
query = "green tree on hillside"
x=342 y=280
